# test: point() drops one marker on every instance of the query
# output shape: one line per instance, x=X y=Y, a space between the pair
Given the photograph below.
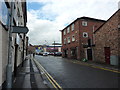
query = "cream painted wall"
x=20 y=50
x=4 y=47
x=13 y=50
x=0 y=55
x=4 y=53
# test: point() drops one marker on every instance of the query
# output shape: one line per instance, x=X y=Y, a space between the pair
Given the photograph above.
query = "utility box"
x=114 y=60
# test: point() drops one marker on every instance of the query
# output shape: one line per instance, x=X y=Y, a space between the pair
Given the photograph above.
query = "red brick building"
x=53 y=48
x=77 y=38
x=107 y=41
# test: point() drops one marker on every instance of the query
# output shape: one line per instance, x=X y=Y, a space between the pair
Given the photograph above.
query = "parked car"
x=58 y=54
x=45 y=54
x=48 y=53
x=51 y=53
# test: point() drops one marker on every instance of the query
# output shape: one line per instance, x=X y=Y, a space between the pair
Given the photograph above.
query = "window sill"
x=5 y=27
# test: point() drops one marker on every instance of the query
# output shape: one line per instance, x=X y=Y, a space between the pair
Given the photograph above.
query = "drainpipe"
x=23 y=48
x=9 y=65
x=93 y=42
x=54 y=47
x=79 y=42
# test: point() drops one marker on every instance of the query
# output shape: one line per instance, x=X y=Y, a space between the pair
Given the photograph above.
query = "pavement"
x=29 y=77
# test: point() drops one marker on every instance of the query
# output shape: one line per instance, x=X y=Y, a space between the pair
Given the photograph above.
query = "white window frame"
x=68 y=30
x=64 y=40
x=84 y=23
x=68 y=39
x=73 y=38
x=84 y=34
x=73 y=26
x=64 y=32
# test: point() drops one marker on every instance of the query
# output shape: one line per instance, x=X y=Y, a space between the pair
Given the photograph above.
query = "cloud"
x=42 y=30
x=54 y=15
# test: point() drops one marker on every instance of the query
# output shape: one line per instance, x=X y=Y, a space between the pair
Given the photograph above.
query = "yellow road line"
x=52 y=78
x=52 y=81
x=47 y=76
x=77 y=62
x=106 y=69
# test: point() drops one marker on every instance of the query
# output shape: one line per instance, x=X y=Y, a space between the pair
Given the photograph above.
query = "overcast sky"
x=47 y=17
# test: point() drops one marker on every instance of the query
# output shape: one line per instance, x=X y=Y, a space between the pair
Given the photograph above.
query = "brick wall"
x=107 y=36
x=72 y=43
x=90 y=28
x=79 y=39
x=119 y=34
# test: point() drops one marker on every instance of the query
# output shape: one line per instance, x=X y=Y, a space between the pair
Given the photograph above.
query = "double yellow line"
x=49 y=77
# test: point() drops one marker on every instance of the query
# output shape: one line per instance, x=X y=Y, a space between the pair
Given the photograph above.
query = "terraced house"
x=18 y=40
x=78 y=38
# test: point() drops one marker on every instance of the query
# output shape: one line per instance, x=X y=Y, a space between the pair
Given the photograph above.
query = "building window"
x=85 y=34
x=18 y=13
x=84 y=23
x=68 y=29
x=4 y=13
x=65 y=32
x=73 y=38
x=65 y=41
x=68 y=39
x=73 y=26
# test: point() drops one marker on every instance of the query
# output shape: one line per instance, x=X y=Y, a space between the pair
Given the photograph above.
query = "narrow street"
x=71 y=75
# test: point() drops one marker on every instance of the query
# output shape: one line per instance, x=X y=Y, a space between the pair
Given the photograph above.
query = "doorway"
x=89 y=54
x=65 y=53
x=74 y=53
x=15 y=61
x=107 y=54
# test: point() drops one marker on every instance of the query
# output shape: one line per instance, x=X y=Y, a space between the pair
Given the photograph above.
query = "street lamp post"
x=9 y=65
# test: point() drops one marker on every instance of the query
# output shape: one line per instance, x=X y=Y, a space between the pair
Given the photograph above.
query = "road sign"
x=19 y=29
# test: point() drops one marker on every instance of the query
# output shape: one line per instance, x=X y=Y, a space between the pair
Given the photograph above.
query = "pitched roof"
x=85 y=18
x=94 y=19
x=107 y=20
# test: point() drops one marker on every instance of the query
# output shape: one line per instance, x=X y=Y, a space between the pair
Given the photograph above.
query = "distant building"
x=56 y=43
x=107 y=41
x=47 y=48
x=31 y=49
x=78 y=39
x=53 y=48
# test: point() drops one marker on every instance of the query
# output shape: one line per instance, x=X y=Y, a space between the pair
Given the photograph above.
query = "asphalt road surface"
x=71 y=75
